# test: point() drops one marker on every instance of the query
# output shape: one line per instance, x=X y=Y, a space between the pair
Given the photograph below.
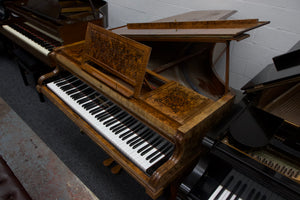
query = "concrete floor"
x=82 y=156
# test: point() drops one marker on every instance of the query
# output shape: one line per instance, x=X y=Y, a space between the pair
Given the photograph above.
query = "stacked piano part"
x=39 y=27
x=150 y=125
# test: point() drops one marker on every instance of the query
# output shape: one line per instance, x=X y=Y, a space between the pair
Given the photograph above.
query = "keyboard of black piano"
x=236 y=186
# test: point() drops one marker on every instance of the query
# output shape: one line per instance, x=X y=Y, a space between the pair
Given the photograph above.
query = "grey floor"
x=76 y=150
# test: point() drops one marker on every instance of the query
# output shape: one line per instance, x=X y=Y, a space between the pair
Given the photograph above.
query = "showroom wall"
x=249 y=56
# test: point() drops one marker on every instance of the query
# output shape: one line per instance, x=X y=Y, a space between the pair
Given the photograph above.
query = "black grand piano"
x=39 y=26
x=254 y=153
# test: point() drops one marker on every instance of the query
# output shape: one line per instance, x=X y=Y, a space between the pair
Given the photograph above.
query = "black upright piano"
x=254 y=153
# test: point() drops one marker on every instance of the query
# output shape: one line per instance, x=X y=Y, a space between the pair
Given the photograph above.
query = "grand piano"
x=150 y=125
x=40 y=26
x=258 y=144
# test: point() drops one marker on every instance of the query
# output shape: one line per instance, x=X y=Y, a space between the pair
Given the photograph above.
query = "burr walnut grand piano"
x=150 y=125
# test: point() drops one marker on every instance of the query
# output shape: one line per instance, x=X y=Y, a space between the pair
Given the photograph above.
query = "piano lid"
x=50 y=8
x=271 y=76
x=201 y=30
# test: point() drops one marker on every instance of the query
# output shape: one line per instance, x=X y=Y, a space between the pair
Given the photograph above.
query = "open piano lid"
x=203 y=29
x=273 y=75
x=49 y=8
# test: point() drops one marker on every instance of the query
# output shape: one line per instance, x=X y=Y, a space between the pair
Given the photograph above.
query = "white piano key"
x=215 y=193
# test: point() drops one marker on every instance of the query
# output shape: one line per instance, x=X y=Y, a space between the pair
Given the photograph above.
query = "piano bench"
x=10 y=186
x=30 y=65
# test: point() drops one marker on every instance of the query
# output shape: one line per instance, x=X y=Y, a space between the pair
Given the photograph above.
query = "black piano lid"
x=49 y=8
x=270 y=75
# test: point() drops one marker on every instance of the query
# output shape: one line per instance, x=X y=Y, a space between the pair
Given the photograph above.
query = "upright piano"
x=255 y=151
x=151 y=125
x=40 y=26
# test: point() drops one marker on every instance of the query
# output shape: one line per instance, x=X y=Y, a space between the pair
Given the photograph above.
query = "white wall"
x=249 y=56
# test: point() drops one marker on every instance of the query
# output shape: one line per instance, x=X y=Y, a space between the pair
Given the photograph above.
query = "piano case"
x=116 y=67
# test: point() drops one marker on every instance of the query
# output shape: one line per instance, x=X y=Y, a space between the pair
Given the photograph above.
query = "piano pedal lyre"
x=115 y=169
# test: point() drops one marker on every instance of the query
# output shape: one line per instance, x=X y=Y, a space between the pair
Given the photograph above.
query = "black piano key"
x=139 y=137
x=234 y=190
x=167 y=149
x=127 y=134
x=240 y=191
x=63 y=79
x=147 y=137
x=133 y=128
x=227 y=182
x=151 y=146
x=71 y=85
x=156 y=152
x=67 y=87
x=109 y=112
x=157 y=156
x=257 y=195
x=111 y=122
x=104 y=114
x=77 y=96
x=81 y=94
x=141 y=150
x=89 y=97
x=66 y=81
x=121 y=125
x=116 y=115
x=250 y=194
x=87 y=91
x=82 y=87
x=101 y=107
x=87 y=105
x=154 y=158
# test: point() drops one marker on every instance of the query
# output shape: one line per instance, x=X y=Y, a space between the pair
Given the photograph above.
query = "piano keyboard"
x=236 y=186
x=135 y=140
x=42 y=43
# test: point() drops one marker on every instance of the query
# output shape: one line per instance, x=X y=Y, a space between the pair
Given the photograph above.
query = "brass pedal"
x=108 y=162
x=116 y=169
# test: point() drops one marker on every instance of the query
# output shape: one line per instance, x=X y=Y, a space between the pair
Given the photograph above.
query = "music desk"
x=40 y=171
